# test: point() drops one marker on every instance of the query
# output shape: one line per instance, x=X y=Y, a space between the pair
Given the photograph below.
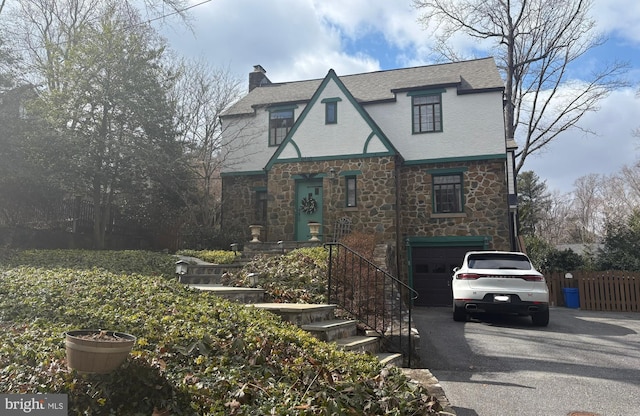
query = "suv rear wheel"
x=459 y=314
x=540 y=318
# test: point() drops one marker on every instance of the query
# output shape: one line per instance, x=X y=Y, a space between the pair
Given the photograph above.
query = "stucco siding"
x=246 y=140
x=348 y=136
x=374 y=145
x=469 y=126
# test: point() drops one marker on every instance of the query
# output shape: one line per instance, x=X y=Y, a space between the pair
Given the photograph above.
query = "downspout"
x=398 y=229
x=512 y=195
x=398 y=263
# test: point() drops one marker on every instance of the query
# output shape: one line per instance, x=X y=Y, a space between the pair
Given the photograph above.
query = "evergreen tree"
x=533 y=202
x=109 y=103
x=621 y=245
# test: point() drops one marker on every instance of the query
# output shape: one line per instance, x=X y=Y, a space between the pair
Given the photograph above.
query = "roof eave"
x=480 y=90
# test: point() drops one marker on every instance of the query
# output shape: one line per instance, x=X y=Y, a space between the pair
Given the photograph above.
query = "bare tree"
x=535 y=44
x=636 y=132
x=202 y=94
x=588 y=208
x=553 y=221
x=630 y=175
x=47 y=30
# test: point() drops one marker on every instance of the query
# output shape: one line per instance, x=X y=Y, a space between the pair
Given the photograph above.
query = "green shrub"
x=211 y=256
x=196 y=354
x=299 y=276
x=127 y=261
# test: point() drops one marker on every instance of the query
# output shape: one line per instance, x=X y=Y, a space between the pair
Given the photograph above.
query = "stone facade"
x=374 y=213
x=485 y=208
x=239 y=205
x=485 y=203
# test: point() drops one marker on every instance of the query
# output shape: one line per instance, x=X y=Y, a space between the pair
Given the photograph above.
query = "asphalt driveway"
x=583 y=361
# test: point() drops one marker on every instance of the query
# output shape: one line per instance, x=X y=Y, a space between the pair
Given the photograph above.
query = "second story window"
x=427 y=113
x=331 y=113
x=280 y=122
x=447 y=193
x=331 y=110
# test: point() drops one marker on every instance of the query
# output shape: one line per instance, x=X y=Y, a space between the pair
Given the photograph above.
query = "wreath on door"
x=308 y=205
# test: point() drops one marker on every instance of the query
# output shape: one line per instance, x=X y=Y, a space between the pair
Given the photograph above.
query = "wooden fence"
x=617 y=291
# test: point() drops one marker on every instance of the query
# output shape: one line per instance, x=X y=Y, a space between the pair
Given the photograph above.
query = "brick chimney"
x=258 y=77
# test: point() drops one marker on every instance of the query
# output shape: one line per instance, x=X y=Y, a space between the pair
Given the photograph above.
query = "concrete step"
x=201 y=279
x=207 y=273
x=332 y=330
x=299 y=313
x=246 y=295
x=390 y=359
x=359 y=344
x=208 y=268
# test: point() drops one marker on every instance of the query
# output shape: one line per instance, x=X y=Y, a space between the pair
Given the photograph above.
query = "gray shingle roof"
x=469 y=76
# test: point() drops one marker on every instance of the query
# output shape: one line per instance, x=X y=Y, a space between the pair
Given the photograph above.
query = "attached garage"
x=432 y=261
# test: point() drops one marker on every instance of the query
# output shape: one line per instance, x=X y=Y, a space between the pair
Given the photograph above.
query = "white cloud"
x=287 y=37
x=298 y=39
x=618 y=17
x=397 y=21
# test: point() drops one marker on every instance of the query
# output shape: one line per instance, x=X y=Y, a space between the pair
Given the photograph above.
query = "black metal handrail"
x=371 y=295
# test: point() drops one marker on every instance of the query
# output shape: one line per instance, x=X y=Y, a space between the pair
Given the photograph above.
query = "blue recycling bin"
x=571 y=297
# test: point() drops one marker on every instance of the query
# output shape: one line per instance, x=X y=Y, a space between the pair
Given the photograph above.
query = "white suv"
x=499 y=281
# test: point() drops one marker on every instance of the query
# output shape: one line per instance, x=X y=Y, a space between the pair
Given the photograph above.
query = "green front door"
x=308 y=207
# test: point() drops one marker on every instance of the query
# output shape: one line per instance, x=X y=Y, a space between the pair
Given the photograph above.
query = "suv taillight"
x=533 y=278
x=468 y=276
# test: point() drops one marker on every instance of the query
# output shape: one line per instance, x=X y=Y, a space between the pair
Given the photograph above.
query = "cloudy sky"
x=303 y=39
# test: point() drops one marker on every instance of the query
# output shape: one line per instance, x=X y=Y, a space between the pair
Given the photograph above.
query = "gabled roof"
x=469 y=76
x=331 y=76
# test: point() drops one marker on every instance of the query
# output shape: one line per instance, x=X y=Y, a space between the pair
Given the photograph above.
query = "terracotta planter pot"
x=97 y=352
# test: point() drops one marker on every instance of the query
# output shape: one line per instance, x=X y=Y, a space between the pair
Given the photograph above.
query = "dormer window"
x=280 y=122
x=426 y=111
x=331 y=110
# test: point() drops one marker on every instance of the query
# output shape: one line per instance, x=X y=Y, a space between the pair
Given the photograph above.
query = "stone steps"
x=390 y=359
x=206 y=273
x=332 y=329
x=365 y=344
x=300 y=313
x=246 y=295
x=317 y=319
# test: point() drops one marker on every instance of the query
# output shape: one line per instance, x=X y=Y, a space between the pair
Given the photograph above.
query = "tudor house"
x=416 y=156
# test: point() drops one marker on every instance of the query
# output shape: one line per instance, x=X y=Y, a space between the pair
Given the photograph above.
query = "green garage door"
x=432 y=270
